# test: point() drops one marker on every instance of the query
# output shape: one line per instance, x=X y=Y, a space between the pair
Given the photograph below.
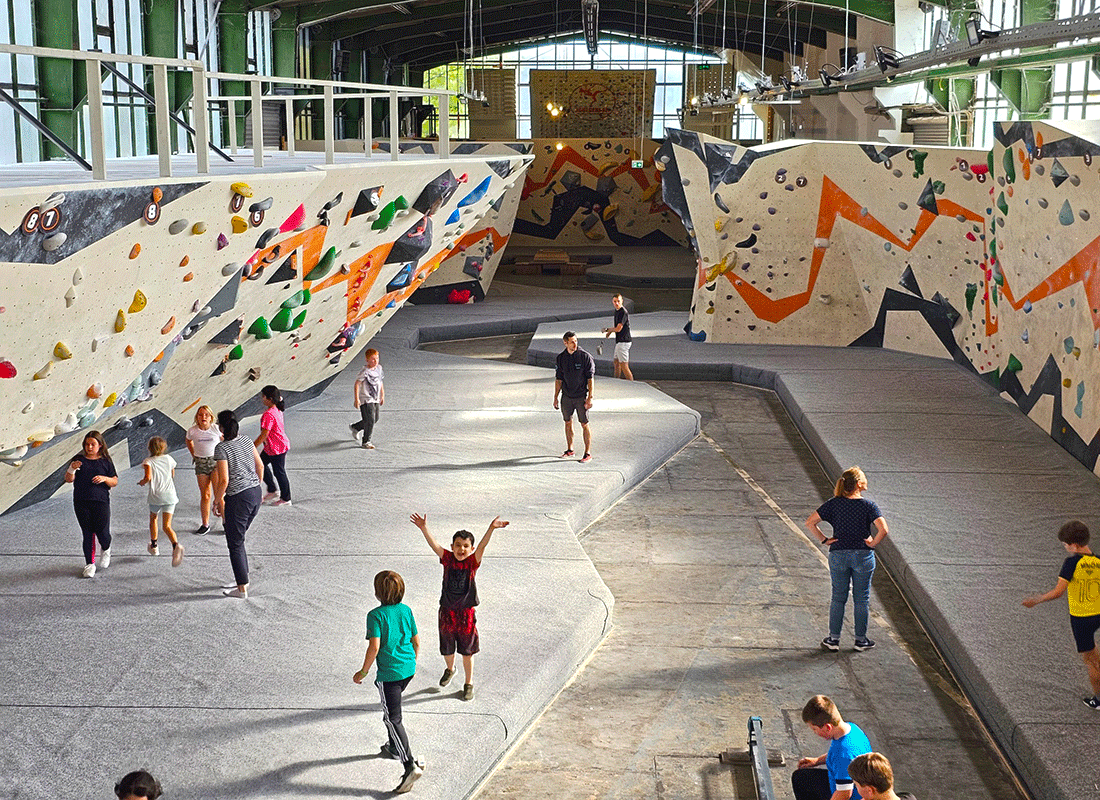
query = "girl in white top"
x=160 y=469
x=202 y=438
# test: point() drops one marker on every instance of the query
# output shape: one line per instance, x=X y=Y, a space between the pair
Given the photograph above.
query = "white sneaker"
x=153 y=549
x=412 y=773
x=235 y=592
x=282 y=503
x=89 y=571
x=177 y=555
x=105 y=559
x=356 y=434
x=368 y=445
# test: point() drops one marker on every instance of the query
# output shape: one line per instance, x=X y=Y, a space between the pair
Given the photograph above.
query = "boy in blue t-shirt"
x=846 y=742
x=1080 y=576
x=393 y=643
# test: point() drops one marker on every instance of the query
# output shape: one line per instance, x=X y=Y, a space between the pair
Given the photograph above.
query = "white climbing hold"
x=78 y=276
x=53 y=201
x=28 y=408
x=42 y=373
x=70 y=297
x=51 y=243
x=825 y=299
x=97 y=341
x=69 y=424
x=14 y=453
x=41 y=437
x=229 y=269
x=821 y=242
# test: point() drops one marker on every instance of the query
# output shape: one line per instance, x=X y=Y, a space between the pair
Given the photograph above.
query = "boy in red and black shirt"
x=457 y=620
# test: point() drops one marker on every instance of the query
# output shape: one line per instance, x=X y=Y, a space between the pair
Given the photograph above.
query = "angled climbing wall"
x=127 y=306
x=590 y=193
x=991 y=258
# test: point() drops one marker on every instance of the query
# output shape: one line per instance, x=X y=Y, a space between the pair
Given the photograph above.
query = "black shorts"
x=1084 y=631
x=458 y=631
x=571 y=404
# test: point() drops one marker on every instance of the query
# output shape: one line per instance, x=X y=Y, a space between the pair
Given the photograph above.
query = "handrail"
x=200 y=108
x=761 y=773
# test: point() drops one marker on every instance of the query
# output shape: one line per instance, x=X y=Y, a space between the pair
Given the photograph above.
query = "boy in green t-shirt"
x=1080 y=575
x=394 y=643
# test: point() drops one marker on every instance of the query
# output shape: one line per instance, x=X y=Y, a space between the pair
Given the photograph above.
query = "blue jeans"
x=855 y=567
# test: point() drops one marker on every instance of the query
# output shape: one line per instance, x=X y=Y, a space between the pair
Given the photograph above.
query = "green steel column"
x=233 y=55
x=376 y=73
x=1029 y=90
x=160 y=25
x=59 y=82
x=284 y=49
x=320 y=61
x=353 y=109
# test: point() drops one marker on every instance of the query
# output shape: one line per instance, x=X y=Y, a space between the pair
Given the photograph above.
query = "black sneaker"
x=1092 y=702
x=831 y=643
x=412 y=772
x=203 y=530
x=447 y=675
x=864 y=644
x=388 y=752
x=468 y=691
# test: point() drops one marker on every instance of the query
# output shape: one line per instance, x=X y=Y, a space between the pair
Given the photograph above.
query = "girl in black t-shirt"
x=92 y=474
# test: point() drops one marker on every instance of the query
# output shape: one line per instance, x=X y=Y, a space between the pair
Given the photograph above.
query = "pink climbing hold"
x=223 y=241
x=7 y=369
x=294 y=220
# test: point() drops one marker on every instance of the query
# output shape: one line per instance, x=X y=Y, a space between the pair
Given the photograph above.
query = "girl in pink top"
x=273 y=446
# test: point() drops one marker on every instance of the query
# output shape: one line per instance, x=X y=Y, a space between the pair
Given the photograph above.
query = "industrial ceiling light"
x=887 y=58
x=590 y=16
x=828 y=79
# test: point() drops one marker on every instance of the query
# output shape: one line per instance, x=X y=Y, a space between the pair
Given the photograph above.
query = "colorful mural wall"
x=127 y=306
x=989 y=258
x=589 y=193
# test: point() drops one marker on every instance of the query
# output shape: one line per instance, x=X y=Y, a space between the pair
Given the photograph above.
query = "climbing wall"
x=592 y=102
x=989 y=258
x=588 y=194
x=127 y=306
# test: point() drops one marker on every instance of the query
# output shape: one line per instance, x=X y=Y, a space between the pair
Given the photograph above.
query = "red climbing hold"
x=7 y=369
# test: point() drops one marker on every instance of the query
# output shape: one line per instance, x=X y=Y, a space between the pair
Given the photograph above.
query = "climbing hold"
x=188 y=277
x=260 y=329
x=95 y=390
x=7 y=369
x=262 y=205
x=1065 y=216
x=236 y=353
x=223 y=241
x=179 y=226
x=129 y=351
x=135 y=251
x=241 y=188
x=299 y=320
x=70 y=297
x=239 y=225
x=78 y=276
x=111 y=399
x=62 y=351
x=297 y=299
x=168 y=325
x=157 y=194
x=266 y=237
x=386 y=215
x=282 y=320
x=53 y=201
x=51 y=243
x=146 y=422
x=139 y=302
x=323 y=267
x=42 y=373
x=296 y=218
x=198 y=228
x=40 y=437
x=229 y=269
x=120 y=321
x=254 y=374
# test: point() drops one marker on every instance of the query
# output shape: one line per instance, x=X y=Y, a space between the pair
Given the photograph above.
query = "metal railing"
x=761 y=772
x=202 y=103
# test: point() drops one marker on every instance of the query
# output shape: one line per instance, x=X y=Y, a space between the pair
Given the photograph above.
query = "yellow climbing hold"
x=138 y=304
x=42 y=373
x=606 y=168
x=611 y=211
x=239 y=225
x=62 y=351
x=651 y=192
x=721 y=268
x=112 y=398
x=719 y=224
x=120 y=321
x=243 y=189
x=594 y=235
x=198 y=228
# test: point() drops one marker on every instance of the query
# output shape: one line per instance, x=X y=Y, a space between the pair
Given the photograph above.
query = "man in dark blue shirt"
x=573 y=382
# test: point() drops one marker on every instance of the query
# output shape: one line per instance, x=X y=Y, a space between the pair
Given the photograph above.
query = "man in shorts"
x=621 y=329
x=573 y=382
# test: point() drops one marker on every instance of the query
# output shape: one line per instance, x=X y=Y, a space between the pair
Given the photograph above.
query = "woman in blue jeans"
x=851 y=552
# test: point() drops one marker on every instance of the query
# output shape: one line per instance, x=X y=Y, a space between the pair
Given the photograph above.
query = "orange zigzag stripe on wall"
x=570 y=156
x=1083 y=267
x=836 y=203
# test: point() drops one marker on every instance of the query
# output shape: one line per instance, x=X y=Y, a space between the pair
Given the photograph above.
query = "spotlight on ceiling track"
x=828 y=79
x=975 y=35
x=887 y=58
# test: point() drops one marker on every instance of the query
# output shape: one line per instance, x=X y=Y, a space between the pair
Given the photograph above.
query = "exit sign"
x=702 y=66
x=637 y=165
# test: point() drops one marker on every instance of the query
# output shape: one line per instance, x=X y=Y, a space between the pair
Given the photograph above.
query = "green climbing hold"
x=297 y=299
x=1002 y=203
x=385 y=217
x=324 y=266
x=1010 y=165
x=236 y=353
x=971 y=293
x=282 y=321
x=1065 y=216
x=939 y=187
x=1014 y=364
x=918 y=163
x=989 y=162
x=299 y=320
x=260 y=329
x=401 y=203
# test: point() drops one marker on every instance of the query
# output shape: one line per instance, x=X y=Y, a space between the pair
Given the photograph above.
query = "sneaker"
x=153 y=549
x=355 y=432
x=235 y=592
x=412 y=772
x=567 y=454
x=88 y=571
x=831 y=643
x=864 y=644
x=368 y=445
x=387 y=751
x=1092 y=702
x=282 y=503
x=447 y=675
x=270 y=496
x=468 y=691
x=105 y=559
x=203 y=530
x=586 y=458
x=177 y=555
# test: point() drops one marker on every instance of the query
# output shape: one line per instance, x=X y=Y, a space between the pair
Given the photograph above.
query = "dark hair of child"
x=102 y=443
x=138 y=784
x=820 y=711
x=272 y=394
x=463 y=535
x=389 y=587
x=1074 y=532
x=227 y=422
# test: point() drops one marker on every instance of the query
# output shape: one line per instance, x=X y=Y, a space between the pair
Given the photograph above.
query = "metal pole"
x=164 y=134
x=200 y=120
x=257 y=124
x=330 y=124
x=395 y=124
x=288 y=107
x=444 y=126
x=97 y=151
x=232 y=126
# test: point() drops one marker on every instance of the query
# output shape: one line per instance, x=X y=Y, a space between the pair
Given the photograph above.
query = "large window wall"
x=572 y=54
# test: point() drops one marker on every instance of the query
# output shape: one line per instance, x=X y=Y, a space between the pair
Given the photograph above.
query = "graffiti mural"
x=989 y=258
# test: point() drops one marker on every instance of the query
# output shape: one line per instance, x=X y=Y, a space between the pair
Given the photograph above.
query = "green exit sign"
x=702 y=66
x=637 y=165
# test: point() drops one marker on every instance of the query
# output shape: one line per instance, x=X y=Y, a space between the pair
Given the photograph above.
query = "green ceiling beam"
x=1028 y=90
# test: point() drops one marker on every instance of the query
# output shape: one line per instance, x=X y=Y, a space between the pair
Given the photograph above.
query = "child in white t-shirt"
x=202 y=438
x=160 y=469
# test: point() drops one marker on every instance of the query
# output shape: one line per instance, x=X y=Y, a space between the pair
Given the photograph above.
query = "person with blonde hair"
x=851 y=552
x=160 y=471
x=202 y=438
